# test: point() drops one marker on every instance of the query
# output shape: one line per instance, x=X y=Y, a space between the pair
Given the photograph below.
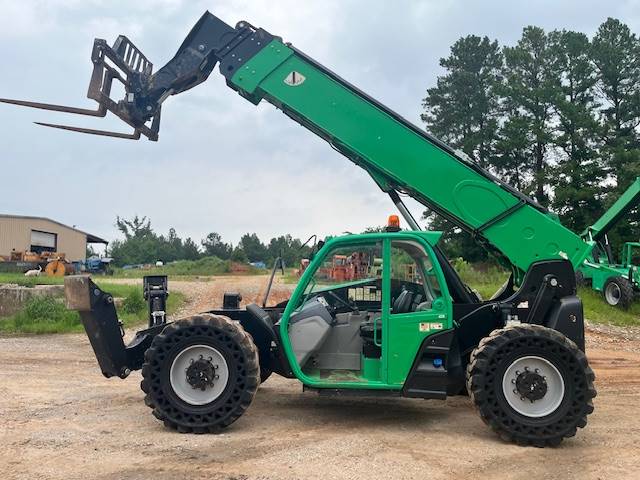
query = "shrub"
x=134 y=302
x=45 y=309
x=42 y=315
x=202 y=267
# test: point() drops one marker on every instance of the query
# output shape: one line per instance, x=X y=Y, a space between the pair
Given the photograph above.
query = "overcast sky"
x=221 y=163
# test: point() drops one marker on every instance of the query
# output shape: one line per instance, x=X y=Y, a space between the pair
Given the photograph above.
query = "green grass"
x=185 y=269
x=488 y=280
x=191 y=268
x=20 y=279
x=597 y=310
x=49 y=315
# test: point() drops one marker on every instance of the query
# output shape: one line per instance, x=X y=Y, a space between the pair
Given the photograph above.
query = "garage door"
x=43 y=239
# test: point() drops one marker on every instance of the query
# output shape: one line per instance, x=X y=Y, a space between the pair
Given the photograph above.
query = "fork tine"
x=100 y=112
x=103 y=133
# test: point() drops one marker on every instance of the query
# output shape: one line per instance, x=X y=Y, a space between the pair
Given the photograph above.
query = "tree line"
x=556 y=115
x=142 y=245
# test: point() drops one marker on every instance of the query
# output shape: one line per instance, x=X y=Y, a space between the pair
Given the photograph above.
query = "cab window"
x=351 y=273
x=414 y=285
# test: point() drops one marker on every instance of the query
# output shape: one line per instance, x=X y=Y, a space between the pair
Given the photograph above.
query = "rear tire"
x=618 y=292
x=200 y=374
x=531 y=385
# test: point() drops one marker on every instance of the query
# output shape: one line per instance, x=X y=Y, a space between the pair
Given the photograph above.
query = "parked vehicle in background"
x=619 y=282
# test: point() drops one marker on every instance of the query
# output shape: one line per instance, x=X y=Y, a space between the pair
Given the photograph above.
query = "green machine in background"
x=619 y=282
x=391 y=318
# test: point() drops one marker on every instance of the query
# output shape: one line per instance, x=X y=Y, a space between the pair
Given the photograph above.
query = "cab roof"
x=432 y=237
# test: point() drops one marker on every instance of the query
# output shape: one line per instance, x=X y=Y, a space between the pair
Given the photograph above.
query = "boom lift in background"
x=519 y=355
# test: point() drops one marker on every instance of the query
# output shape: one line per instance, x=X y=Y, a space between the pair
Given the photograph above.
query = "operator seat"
x=402 y=304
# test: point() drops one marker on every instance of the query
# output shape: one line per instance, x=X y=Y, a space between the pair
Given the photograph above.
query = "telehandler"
x=619 y=282
x=519 y=355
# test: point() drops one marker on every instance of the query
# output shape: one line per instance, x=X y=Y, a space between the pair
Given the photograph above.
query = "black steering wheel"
x=341 y=300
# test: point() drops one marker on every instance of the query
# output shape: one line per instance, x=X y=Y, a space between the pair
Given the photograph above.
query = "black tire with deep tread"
x=484 y=383
x=580 y=280
x=240 y=353
x=626 y=292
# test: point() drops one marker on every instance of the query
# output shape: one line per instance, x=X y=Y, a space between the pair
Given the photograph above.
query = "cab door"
x=419 y=305
x=331 y=327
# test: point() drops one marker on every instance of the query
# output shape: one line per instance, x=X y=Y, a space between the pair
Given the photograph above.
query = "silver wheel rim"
x=544 y=406
x=178 y=375
x=613 y=293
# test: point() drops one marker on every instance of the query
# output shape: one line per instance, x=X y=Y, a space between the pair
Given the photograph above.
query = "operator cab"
x=383 y=286
x=363 y=302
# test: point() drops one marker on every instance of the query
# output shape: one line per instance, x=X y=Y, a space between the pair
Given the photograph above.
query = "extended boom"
x=398 y=155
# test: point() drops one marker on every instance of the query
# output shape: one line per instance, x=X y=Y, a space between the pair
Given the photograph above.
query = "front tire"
x=531 y=385
x=201 y=373
x=618 y=292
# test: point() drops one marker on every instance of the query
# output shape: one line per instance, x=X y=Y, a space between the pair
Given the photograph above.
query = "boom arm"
x=399 y=156
x=627 y=201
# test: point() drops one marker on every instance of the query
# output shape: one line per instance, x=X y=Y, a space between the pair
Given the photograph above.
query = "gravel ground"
x=60 y=419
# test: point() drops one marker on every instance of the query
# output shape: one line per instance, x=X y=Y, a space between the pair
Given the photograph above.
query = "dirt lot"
x=61 y=419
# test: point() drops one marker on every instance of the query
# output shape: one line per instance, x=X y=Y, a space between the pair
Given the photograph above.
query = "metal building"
x=39 y=234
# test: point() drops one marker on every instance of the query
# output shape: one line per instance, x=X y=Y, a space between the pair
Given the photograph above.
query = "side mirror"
x=316 y=248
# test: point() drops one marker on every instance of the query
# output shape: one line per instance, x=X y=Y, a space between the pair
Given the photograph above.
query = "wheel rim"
x=613 y=294
x=533 y=386
x=199 y=374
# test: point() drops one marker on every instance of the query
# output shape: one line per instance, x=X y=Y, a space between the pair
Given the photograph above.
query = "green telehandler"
x=406 y=326
x=619 y=282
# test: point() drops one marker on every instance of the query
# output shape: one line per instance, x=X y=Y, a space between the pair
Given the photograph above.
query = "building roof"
x=90 y=238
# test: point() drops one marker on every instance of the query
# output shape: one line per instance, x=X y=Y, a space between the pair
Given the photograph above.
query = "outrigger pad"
x=77 y=292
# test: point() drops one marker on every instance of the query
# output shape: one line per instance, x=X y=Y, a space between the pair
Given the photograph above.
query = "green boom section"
x=627 y=201
x=391 y=150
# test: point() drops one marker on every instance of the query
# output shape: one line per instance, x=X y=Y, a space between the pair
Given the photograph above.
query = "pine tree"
x=616 y=55
x=557 y=116
x=513 y=161
x=213 y=246
x=579 y=174
x=529 y=91
x=463 y=108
